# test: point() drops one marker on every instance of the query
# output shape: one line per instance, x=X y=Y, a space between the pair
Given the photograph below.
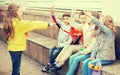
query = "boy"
x=64 y=37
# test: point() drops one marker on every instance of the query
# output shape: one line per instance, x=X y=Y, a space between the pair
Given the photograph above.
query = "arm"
x=55 y=18
x=32 y=25
x=104 y=28
x=72 y=20
x=93 y=53
x=90 y=47
x=68 y=42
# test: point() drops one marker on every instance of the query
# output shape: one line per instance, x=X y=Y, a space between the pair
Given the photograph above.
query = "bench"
x=38 y=49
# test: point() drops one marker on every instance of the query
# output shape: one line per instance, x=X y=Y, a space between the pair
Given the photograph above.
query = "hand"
x=88 y=13
x=52 y=9
x=81 y=52
x=78 y=34
x=52 y=24
x=92 y=58
x=73 y=10
x=57 y=46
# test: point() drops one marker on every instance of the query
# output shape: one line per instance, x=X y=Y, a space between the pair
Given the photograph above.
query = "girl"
x=15 y=30
x=104 y=49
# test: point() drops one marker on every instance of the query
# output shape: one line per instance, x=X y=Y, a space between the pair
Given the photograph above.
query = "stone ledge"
x=42 y=40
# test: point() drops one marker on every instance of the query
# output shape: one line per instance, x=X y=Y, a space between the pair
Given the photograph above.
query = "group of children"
x=95 y=42
x=91 y=40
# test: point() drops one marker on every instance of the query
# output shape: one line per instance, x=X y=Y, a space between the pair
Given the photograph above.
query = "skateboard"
x=97 y=69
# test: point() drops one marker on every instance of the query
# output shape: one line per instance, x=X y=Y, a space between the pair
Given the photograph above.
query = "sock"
x=57 y=64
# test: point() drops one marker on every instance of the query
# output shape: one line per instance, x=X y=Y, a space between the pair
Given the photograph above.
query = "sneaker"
x=54 y=68
x=45 y=68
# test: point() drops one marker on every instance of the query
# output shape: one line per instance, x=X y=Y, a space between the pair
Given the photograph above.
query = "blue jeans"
x=54 y=53
x=16 y=62
x=87 y=71
x=74 y=62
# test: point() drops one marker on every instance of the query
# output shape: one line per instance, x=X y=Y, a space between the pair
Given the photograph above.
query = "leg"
x=64 y=57
x=72 y=58
x=103 y=62
x=51 y=53
x=61 y=53
x=46 y=67
x=106 y=62
x=54 y=55
x=76 y=63
x=16 y=62
x=85 y=67
x=72 y=49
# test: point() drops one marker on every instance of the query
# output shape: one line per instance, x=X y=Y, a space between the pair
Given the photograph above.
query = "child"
x=104 y=51
x=15 y=29
x=84 y=52
x=64 y=37
x=69 y=50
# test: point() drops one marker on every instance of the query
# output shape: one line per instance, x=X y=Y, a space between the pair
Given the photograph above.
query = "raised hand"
x=88 y=13
x=73 y=11
x=52 y=9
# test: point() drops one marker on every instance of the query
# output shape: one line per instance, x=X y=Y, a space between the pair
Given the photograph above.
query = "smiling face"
x=83 y=19
x=66 y=20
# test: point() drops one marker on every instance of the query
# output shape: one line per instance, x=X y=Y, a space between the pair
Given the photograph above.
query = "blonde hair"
x=8 y=29
x=108 y=21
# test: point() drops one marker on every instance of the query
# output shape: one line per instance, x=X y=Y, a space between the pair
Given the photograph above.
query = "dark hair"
x=66 y=14
x=8 y=29
x=81 y=13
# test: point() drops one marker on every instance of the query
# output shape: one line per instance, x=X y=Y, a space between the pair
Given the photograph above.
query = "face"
x=19 y=12
x=83 y=19
x=66 y=20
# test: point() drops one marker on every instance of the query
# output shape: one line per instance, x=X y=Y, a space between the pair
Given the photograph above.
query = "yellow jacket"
x=18 y=43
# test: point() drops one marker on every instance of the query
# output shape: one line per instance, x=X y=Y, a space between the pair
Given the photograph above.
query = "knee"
x=76 y=60
x=72 y=57
x=85 y=63
x=55 y=52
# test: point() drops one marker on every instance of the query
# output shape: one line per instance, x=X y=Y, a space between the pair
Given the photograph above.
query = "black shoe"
x=54 y=68
x=45 y=68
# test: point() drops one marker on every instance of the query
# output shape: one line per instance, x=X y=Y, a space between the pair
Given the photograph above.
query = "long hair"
x=8 y=29
x=108 y=21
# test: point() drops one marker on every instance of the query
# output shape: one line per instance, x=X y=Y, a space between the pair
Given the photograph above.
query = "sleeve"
x=68 y=42
x=33 y=25
x=104 y=28
x=90 y=47
x=58 y=22
x=93 y=53
x=73 y=23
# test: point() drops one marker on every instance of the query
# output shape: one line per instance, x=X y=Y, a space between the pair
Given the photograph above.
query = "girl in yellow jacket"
x=15 y=29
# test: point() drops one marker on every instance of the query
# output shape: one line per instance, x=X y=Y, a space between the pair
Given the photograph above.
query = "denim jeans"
x=54 y=53
x=87 y=71
x=16 y=61
x=74 y=61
